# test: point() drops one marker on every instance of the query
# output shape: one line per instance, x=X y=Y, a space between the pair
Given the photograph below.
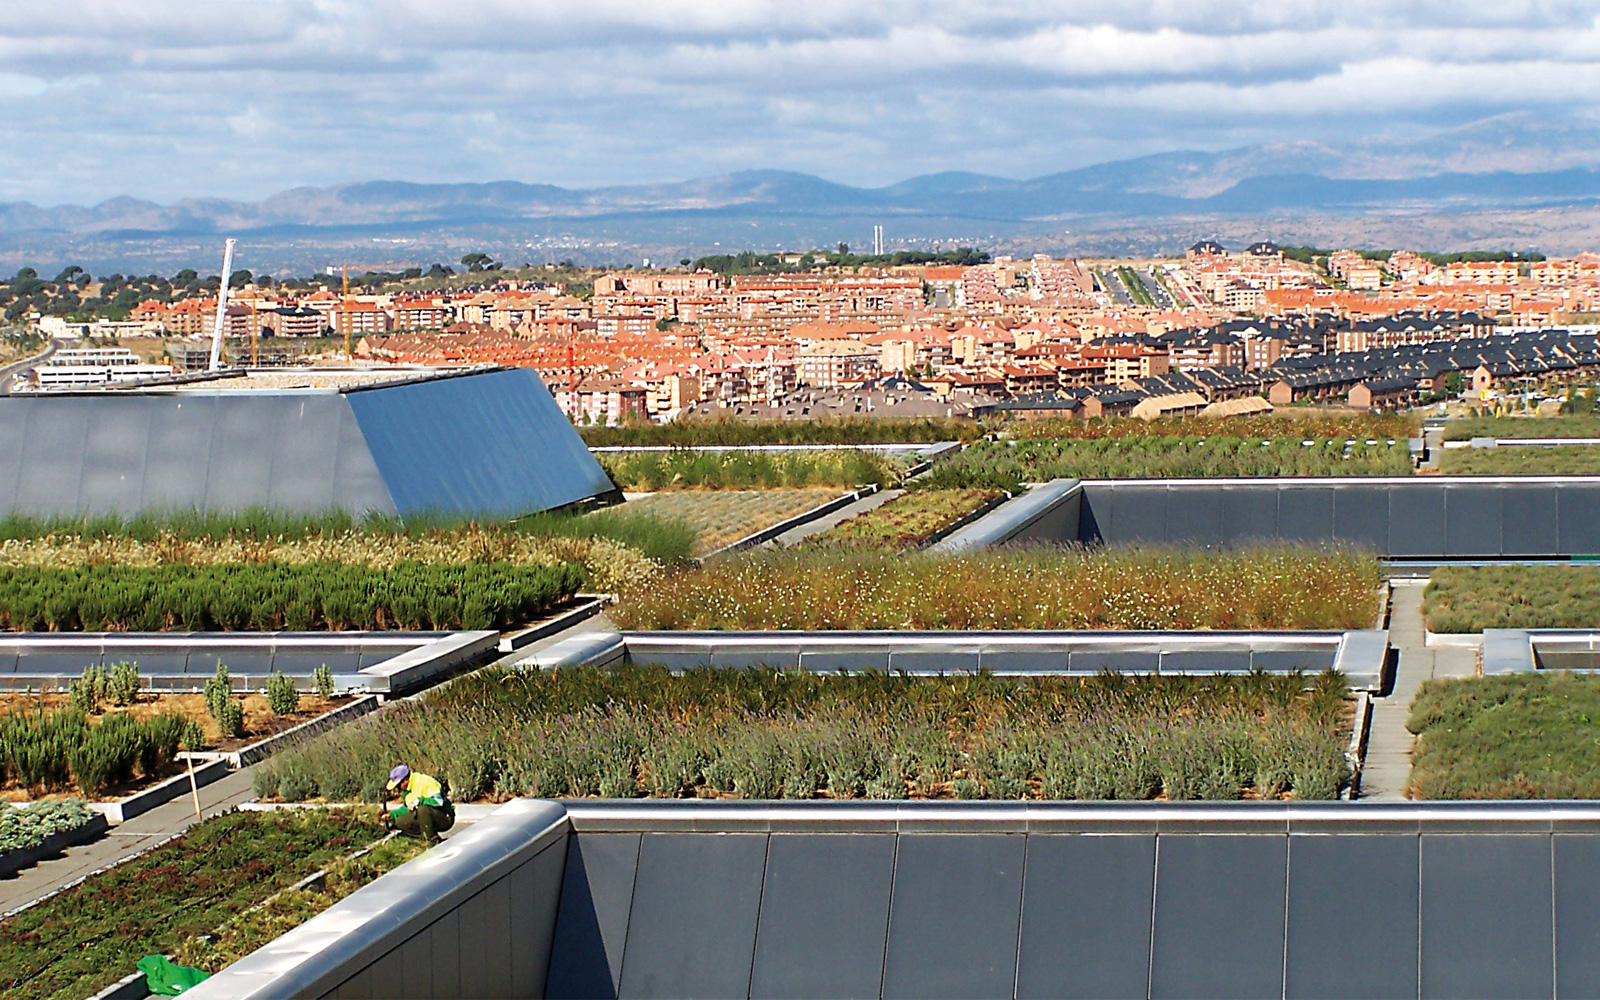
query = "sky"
x=171 y=99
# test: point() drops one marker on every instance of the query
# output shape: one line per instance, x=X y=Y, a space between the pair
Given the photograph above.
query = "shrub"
x=89 y=690
x=218 y=692
x=322 y=682
x=124 y=683
x=282 y=696
x=690 y=469
x=27 y=828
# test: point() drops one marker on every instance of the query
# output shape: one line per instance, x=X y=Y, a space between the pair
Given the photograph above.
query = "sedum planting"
x=1473 y=598
x=765 y=734
x=1520 y=736
x=906 y=521
x=1276 y=587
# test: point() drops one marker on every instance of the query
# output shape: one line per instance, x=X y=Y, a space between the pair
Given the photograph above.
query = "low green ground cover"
x=1271 y=587
x=273 y=596
x=905 y=521
x=27 y=828
x=1473 y=598
x=1127 y=457
x=1289 y=424
x=1562 y=460
x=690 y=433
x=89 y=936
x=647 y=471
x=722 y=517
x=1520 y=736
x=1570 y=425
x=765 y=734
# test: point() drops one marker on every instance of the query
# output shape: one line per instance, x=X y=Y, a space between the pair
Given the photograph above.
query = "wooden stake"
x=194 y=789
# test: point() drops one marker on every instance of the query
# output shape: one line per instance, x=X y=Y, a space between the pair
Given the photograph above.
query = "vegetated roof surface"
x=1473 y=598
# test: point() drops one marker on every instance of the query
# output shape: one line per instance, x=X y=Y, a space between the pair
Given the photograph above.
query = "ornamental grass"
x=1157 y=457
x=764 y=734
x=276 y=596
x=1271 y=587
x=907 y=521
x=1473 y=598
x=689 y=433
x=1526 y=460
x=648 y=471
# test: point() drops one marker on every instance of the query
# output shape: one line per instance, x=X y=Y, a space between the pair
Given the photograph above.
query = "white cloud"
x=236 y=99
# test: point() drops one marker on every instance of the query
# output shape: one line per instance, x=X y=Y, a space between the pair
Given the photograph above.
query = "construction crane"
x=222 y=307
x=344 y=312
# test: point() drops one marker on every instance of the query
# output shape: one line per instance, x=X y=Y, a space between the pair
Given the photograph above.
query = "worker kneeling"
x=424 y=810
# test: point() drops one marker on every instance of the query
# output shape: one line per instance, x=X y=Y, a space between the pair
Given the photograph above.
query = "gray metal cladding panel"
x=592 y=920
x=65 y=664
x=1529 y=520
x=934 y=661
x=824 y=916
x=832 y=663
x=1141 y=515
x=387 y=975
x=357 y=484
x=178 y=452
x=500 y=942
x=1205 y=661
x=1472 y=521
x=492 y=444
x=153 y=663
x=1305 y=513
x=1094 y=661
x=305 y=455
x=1280 y=660
x=8 y=663
x=1195 y=515
x=1578 y=519
x=1022 y=661
x=1361 y=517
x=1486 y=916
x=1416 y=520
x=299 y=663
x=693 y=927
x=416 y=967
x=473 y=927
x=14 y=417
x=1249 y=512
x=243 y=439
x=1219 y=923
x=114 y=456
x=240 y=663
x=445 y=943
x=1096 y=515
x=536 y=898
x=52 y=459
x=1352 y=917
x=1577 y=877
x=954 y=921
x=1086 y=917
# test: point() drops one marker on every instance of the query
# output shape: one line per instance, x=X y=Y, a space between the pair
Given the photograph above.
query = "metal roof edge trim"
x=314 y=958
x=1011 y=517
x=1287 y=481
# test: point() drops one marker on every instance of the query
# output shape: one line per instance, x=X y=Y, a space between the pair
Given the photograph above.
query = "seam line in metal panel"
x=1022 y=897
x=888 y=917
x=1150 y=945
x=1419 y=914
x=1555 y=969
x=755 y=939
x=1288 y=863
x=627 y=925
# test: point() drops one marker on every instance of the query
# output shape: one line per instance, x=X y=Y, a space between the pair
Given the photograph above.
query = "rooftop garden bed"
x=1275 y=587
x=268 y=596
x=1563 y=460
x=613 y=545
x=1284 y=424
x=87 y=937
x=1154 y=457
x=104 y=739
x=1520 y=736
x=907 y=521
x=633 y=731
x=721 y=517
x=1572 y=425
x=1473 y=598
x=689 y=433
x=26 y=828
x=732 y=470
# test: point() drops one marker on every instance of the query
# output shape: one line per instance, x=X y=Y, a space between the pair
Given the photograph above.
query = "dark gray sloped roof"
x=484 y=444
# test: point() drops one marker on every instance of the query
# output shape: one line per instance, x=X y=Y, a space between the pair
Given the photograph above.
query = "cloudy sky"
x=166 y=99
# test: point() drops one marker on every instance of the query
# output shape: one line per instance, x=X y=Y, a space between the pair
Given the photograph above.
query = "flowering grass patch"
x=1560 y=460
x=277 y=596
x=1473 y=598
x=1285 y=424
x=1276 y=587
x=1157 y=457
x=764 y=734
x=1519 y=736
x=87 y=937
x=732 y=470
x=906 y=521
x=722 y=517
x=690 y=433
x=1571 y=425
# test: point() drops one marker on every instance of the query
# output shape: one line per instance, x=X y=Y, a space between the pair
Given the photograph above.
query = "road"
x=23 y=365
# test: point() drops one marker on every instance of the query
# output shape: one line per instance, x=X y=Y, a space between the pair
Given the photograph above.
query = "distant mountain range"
x=1515 y=163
